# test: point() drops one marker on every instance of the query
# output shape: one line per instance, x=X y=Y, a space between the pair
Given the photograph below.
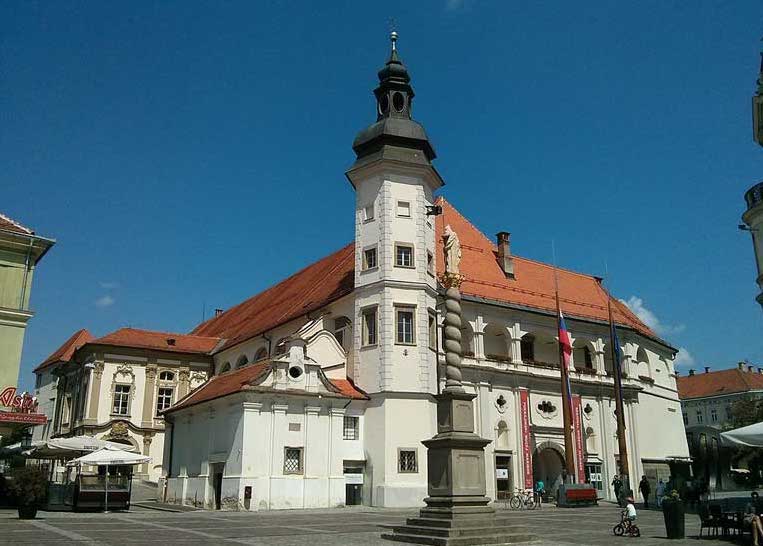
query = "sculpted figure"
x=452 y=249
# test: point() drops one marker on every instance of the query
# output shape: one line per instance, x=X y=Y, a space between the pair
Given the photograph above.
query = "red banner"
x=577 y=430
x=527 y=457
x=28 y=418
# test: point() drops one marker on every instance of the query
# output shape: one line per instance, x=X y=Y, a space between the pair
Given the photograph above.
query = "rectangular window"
x=369 y=327
x=292 y=460
x=430 y=263
x=350 y=428
x=67 y=408
x=403 y=256
x=369 y=258
x=593 y=475
x=527 y=348
x=405 y=320
x=404 y=209
x=699 y=417
x=368 y=213
x=432 y=331
x=714 y=415
x=121 y=400
x=163 y=399
x=407 y=462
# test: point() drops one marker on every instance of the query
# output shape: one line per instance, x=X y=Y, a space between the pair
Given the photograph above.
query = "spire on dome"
x=760 y=74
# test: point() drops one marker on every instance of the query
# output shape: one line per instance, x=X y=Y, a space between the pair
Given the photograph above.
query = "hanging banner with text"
x=527 y=458
x=577 y=430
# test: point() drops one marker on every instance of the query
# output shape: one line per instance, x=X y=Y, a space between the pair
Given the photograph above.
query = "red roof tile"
x=65 y=352
x=718 y=383
x=163 y=341
x=249 y=376
x=8 y=224
x=307 y=290
x=580 y=295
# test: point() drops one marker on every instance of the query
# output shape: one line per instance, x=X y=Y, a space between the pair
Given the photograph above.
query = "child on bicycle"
x=630 y=510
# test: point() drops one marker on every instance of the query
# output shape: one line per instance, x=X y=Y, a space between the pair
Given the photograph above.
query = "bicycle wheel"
x=530 y=504
x=635 y=531
x=515 y=503
x=619 y=529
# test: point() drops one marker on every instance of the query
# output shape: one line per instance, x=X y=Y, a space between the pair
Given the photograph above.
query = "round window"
x=295 y=372
x=398 y=101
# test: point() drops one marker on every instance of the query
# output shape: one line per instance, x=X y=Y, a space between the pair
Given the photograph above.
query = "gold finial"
x=393 y=38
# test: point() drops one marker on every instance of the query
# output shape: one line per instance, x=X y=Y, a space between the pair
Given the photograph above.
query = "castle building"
x=321 y=387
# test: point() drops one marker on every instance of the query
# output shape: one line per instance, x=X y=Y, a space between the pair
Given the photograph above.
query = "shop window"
x=407 y=462
x=593 y=475
x=350 y=428
x=292 y=460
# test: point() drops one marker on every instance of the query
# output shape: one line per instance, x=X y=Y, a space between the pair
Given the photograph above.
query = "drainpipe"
x=26 y=272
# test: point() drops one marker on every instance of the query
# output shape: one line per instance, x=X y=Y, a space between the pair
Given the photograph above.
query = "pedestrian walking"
x=617 y=485
x=540 y=490
x=660 y=492
x=645 y=489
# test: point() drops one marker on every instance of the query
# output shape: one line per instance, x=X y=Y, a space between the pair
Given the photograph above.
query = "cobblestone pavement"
x=348 y=526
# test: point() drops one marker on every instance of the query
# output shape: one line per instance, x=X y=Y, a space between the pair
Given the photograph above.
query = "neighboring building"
x=20 y=252
x=378 y=298
x=115 y=387
x=706 y=404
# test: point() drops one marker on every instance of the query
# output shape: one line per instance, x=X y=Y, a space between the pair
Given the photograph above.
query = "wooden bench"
x=582 y=496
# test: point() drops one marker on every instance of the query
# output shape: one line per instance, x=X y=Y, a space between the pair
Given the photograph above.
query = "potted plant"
x=29 y=485
x=673 y=513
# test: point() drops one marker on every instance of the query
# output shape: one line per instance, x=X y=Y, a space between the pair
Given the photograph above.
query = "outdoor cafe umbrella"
x=62 y=448
x=751 y=436
x=109 y=456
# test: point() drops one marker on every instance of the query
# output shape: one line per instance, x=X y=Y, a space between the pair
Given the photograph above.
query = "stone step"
x=488 y=521
x=482 y=540
x=456 y=532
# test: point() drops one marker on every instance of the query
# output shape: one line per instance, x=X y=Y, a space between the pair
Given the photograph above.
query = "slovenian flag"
x=566 y=350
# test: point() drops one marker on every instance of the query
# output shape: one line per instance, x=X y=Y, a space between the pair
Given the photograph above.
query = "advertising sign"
x=527 y=457
x=577 y=430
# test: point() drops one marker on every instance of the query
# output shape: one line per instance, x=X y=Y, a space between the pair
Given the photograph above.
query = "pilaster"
x=147 y=420
x=96 y=392
x=184 y=380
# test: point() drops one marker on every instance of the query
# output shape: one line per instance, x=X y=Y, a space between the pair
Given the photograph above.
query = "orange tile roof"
x=249 y=376
x=65 y=352
x=580 y=295
x=311 y=288
x=717 y=383
x=163 y=341
x=9 y=224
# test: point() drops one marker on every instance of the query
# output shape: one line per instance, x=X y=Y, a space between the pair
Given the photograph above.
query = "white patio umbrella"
x=751 y=436
x=61 y=448
x=109 y=456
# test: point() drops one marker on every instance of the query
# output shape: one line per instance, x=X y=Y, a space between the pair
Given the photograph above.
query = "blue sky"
x=187 y=155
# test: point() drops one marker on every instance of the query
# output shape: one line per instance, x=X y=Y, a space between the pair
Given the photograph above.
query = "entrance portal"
x=502 y=476
x=547 y=466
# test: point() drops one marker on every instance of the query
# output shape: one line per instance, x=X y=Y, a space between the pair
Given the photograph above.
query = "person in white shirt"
x=630 y=510
x=660 y=492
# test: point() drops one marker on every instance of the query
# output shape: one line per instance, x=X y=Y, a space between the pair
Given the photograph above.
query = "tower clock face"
x=383 y=104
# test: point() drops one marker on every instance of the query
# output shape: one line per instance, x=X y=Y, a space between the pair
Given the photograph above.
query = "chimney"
x=707 y=369
x=691 y=372
x=218 y=312
x=741 y=366
x=504 y=254
x=750 y=368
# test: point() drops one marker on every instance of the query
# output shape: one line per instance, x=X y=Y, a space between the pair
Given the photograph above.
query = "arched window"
x=225 y=367
x=502 y=436
x=261 y=353
x=527 y=347
x=582 y=356
x=343 y=331
x=242 y=361
x=166 y=376
x=642 y=358
x=496 y=347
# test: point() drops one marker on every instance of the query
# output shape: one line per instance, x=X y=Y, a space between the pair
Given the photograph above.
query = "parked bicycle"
x=626 y=526
x=522 y=498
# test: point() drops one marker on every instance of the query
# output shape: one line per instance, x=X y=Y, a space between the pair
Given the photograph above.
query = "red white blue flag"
x=566 y=350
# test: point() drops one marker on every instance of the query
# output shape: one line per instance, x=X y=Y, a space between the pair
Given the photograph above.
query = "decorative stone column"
x=456 y=458
x=147 y=417
x=95 y=393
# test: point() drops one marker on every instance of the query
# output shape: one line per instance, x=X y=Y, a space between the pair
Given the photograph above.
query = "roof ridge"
x=17 y=224
x=145 y=330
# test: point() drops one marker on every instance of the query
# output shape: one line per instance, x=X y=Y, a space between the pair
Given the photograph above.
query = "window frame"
x=114 y=399
x=163 y=375
x=364 y=258
x=355 y=428
x=409 y=246
x=301 y=469
x=159 y=397
x=401 y=204
x=415 y=452
x=405 y=308
x=527 y=340
x=365 y=340
x=699 y=417
x=432 y=327
x=366 y=218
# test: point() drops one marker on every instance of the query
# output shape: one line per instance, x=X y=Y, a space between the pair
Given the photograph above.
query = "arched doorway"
x=547 y=466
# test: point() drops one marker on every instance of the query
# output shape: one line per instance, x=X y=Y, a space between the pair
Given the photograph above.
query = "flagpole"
x=619 y=407
x=569 y=454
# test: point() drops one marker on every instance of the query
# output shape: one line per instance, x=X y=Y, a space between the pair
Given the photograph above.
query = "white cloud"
x=646 y=316
x=108 y=285
x=105 y=301
x=683 y=358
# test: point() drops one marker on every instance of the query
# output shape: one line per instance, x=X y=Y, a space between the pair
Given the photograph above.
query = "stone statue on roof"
x=452 y=251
